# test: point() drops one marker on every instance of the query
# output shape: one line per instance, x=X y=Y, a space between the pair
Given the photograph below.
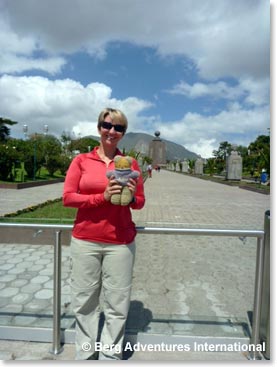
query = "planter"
x=25 y=185
x=255 y=189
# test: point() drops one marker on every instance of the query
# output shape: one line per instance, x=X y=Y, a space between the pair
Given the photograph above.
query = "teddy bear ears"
x=125 y=161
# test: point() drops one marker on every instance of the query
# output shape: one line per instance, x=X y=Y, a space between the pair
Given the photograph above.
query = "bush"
x=8 y=157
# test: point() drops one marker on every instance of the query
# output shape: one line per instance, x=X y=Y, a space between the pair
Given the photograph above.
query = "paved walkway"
x=12 y=200
x=182 y=286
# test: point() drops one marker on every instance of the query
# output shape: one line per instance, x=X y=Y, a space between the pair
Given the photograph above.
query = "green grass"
x=41 y=175
x=49 y=212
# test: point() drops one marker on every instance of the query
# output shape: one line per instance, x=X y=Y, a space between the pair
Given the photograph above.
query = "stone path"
x=202 y=280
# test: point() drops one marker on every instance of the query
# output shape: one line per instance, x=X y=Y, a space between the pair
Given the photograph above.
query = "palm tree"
x=211 y=166
x=191 y=165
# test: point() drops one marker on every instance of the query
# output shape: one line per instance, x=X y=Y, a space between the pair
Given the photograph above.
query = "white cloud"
x=62 y=104
x=11 y=63
x=258 y=90
x=204 y=147
x=17 y=53
x=252 y=91
x=66 y=105
x=215 y=90
x=222 y=38
x=202 y=134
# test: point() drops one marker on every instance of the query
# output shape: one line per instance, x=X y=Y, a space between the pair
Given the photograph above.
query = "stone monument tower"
x=157 y=151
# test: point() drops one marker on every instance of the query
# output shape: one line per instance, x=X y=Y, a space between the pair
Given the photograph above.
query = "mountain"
x=140 y=143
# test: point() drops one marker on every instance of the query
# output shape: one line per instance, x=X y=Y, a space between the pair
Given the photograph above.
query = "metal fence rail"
x=58 y=228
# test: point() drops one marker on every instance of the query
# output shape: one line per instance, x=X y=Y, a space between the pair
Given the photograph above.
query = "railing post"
x=255 y=337
x=56 y=343
x=265 y=310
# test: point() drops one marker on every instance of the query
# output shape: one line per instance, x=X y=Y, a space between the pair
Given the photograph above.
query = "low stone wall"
x=25 y=185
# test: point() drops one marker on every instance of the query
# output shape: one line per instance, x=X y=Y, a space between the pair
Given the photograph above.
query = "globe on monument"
x=157 y=133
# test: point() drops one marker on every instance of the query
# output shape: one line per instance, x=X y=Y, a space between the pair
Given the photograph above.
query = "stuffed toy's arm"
x=139 y=198
x=109 y=174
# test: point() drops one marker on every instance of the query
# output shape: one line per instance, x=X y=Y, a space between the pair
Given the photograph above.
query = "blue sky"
x=197 y=71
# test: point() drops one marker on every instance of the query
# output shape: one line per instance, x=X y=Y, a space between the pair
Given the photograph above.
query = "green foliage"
x=8 y=158
x=260 y=153
x=84 y=145
x=255 y=157
x=132 y=153
x=4 y=130
x=52 y=164
x=147 y=160
x=34 y=153
x=191 y=163
x=210 y=166
x=52 y=149
x=221 y=154
x=223 y=151
x=64 y=162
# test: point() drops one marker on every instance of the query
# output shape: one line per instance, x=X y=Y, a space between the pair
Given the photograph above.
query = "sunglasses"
x=109 y=126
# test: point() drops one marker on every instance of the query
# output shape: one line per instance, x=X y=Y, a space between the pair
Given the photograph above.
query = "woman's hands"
x=114 y=188
x=132 y=184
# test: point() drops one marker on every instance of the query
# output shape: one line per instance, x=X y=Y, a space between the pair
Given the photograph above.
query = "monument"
x=157 y=151
x=234 y=166
x=185 y=166
x=198 y=168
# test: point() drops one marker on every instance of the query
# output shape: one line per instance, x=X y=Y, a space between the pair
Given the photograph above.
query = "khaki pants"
x=108 y=268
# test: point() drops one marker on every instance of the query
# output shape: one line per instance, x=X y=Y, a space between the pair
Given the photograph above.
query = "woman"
x=102 y=244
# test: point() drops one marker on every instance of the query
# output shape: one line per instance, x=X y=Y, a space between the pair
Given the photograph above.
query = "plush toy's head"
x=122 y=162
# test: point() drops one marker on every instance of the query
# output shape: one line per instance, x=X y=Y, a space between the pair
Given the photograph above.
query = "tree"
x=4 y=130
x=260 y=153
x=8 y=157
x=52 y=149
x=210 y=166
x=223 y=150
x=191 y=163
x=33 y=156
x=221 y=154
x=64 y=162
x=84 y=145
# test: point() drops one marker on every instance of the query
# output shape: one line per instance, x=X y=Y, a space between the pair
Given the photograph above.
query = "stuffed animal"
x=122 y=173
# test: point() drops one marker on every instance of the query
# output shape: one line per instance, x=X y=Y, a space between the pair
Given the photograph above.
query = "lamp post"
x=25 y=131
x=45 y=129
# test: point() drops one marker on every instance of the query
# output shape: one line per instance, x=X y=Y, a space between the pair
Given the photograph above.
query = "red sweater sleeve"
x=71 y=193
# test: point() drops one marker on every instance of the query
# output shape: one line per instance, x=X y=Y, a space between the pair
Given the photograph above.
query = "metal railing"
x=259 y=235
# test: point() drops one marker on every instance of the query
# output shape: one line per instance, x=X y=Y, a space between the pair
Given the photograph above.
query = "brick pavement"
x=208 y=279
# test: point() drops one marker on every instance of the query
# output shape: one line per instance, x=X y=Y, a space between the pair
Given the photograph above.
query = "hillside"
x=140 y=143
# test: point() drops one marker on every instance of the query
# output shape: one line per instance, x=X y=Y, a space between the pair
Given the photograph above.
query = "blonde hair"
x=115 y=115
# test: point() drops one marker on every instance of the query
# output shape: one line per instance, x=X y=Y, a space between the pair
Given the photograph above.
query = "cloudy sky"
x=197 y=71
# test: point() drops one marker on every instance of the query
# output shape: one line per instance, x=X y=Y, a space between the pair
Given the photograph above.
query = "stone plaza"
x=183 y=286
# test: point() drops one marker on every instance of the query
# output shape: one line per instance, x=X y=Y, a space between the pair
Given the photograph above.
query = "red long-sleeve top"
x=98 y=220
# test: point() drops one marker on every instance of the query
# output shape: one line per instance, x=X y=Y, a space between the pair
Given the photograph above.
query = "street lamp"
x=45 y=129
x=25 y=131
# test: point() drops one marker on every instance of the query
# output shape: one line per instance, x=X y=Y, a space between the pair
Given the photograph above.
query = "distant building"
x=157 y=150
